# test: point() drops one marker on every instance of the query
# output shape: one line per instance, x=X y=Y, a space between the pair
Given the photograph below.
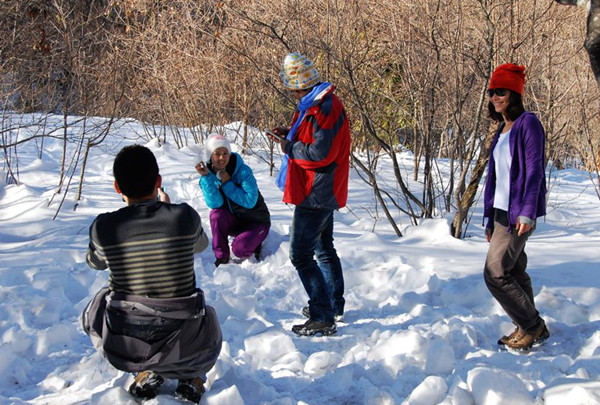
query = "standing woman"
x=515 y=196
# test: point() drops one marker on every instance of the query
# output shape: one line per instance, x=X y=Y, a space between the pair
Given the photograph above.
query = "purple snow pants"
x=248 y=235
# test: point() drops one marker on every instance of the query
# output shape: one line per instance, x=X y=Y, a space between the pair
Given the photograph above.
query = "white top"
x=503 y=159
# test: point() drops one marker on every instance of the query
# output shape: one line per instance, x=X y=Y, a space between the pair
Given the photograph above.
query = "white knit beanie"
x=214 y=142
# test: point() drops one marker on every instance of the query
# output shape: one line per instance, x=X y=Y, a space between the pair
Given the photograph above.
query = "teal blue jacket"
x=240 y=195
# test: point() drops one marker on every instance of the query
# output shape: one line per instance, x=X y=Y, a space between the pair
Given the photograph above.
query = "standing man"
x=314 y=177
x=151 y=319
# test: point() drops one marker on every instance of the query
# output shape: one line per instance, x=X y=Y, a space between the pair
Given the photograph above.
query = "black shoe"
x=312 y=327
x=224 y=260
x=146 y=385
x=336 y=318
x=257 y=252
x=191 y=389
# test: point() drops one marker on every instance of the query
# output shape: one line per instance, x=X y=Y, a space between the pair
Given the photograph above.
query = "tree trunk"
x=466 y=201
x=592 y=40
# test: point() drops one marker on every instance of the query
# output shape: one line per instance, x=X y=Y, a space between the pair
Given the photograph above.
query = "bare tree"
x=412 y=76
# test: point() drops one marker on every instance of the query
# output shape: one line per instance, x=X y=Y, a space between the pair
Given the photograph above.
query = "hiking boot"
x=525 y=341
x=190 y=389
x=312 y=327
x=146 y=385
x=505 y=339
x=257 y=252
x=336 y=318
x=220 y=261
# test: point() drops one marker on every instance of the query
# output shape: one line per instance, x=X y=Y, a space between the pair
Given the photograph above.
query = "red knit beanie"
x=508 y=76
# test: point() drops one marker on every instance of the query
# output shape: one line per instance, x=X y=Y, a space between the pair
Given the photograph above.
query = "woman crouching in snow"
x=237 y=207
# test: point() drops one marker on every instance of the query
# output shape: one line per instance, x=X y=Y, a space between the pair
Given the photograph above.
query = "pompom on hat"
x=298 y=72
x=214 y=142
x=508 y=76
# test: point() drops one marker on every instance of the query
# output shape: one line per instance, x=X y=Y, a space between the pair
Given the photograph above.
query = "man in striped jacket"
x=151 y=319
x=314 y=177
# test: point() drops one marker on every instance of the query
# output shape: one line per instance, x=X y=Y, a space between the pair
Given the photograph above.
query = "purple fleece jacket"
x=527 y=172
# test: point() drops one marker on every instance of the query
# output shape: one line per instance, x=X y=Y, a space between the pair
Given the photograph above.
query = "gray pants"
x=189 y=351
x=506 y=277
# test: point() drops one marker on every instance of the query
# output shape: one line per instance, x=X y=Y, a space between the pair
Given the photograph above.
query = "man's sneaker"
x=190 y=389
x=312 y=327
x=336 y=318
x=525 y=341
x=505 y=339
x=146 y=385
x=220 y=261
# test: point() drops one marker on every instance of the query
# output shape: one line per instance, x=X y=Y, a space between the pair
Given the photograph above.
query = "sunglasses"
x=498 y=92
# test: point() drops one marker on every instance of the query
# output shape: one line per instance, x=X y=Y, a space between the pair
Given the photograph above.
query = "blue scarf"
x=306 y=102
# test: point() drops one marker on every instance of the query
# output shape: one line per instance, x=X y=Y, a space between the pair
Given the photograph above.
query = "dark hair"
x=135 y=170
x=514 y=110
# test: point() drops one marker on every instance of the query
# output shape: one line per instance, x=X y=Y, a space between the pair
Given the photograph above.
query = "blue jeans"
x=312 y=237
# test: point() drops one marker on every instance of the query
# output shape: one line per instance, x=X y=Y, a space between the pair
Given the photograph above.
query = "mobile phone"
x=274 y=135
x=158 y=196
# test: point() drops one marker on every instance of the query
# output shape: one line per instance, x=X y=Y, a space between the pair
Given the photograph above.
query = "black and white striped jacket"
x=149 y=248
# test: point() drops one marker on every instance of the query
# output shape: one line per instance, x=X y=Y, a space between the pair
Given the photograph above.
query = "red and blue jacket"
x=319 y=156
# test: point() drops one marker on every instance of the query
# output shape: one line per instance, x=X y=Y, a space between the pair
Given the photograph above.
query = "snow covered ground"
x=420 y=326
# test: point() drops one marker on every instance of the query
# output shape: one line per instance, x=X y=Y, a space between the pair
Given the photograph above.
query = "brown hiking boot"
x=525 y=341
x=505 y=339
x=146 y=385
x=190 y=389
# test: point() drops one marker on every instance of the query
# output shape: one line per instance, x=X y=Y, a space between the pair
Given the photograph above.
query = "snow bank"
x=420 y=326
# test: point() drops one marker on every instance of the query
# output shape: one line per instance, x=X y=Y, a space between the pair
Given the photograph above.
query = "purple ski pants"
x=247 y=235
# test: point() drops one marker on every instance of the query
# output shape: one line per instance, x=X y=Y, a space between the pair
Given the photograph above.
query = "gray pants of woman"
x=506 y=277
